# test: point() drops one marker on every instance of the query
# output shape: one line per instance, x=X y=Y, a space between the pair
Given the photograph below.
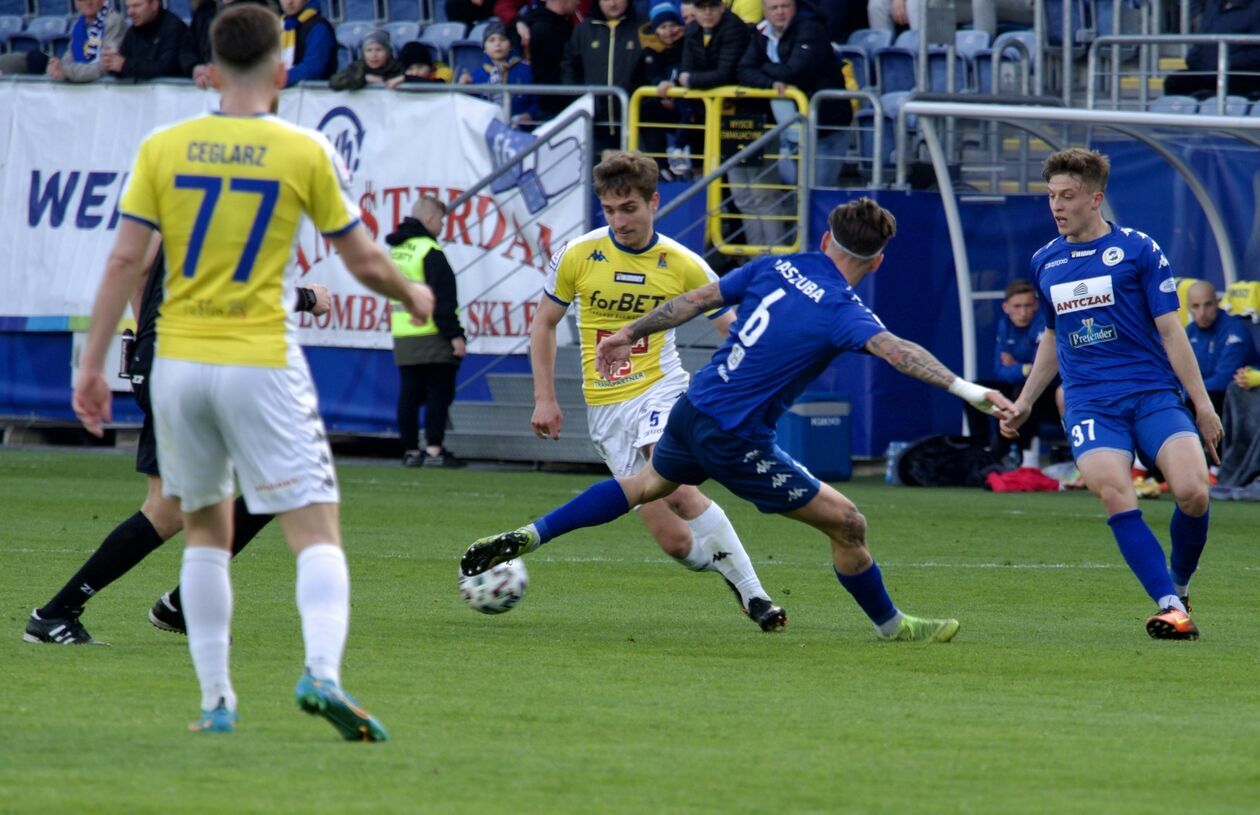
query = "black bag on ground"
x=945 y=461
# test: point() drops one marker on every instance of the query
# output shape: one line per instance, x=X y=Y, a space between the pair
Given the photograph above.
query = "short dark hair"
x=622 y=173
x=862 y=227
x=1090 y=166
x=1018 y=286
x=243 y=35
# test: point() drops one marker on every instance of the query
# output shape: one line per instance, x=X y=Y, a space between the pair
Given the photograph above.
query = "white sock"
x=1031 y=459
x=323 y=601
x=713 y=534
x=1171 y=600
x=696 y=559
x=889 y=627
x=206 y=597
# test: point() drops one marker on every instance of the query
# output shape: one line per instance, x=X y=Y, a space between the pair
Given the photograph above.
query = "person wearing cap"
x=417 y=64
x=503 y=66
x=659 y=63
x=544 y=31
x=375 y=66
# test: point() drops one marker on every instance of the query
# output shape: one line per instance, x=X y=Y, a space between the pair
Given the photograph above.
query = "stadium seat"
x=465 y=55
x=46 y=28
x=361 y=11
x=345 y=56
x=894 y=69
x=352 y=33
x=859 y=59
x=400 y=33
x=1242 y=299
x=869 y=39
x=938 y=74
x=9 y=24
x=865 y=119
x=13 y=8
x=403 y=11
x=1054 y=24
x=1234 y=106
x=439 y=36
x=983 y=61
x=1171 y=103
x=908 y=39
x=478 y=31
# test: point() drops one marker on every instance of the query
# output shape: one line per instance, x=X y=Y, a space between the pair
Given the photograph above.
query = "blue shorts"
x=694 y=448
x=1144 y=421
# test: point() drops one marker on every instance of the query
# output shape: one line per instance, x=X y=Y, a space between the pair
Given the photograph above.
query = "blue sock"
x=868 y=590
x=1189 y=535
x=1141 y=550
x=599 y=504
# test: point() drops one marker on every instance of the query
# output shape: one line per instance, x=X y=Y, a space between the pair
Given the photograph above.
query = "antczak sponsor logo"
x=1095 y=292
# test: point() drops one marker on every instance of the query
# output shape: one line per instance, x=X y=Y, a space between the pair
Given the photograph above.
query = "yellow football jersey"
x=227 y=193
x=610 y=285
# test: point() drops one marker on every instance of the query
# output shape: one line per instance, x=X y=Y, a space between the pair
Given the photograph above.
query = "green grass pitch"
x=623 y=683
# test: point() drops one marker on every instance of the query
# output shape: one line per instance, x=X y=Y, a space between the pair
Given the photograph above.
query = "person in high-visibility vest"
x=427 y=355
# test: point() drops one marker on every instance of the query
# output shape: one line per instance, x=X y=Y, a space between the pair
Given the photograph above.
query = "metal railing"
x=1144 y=43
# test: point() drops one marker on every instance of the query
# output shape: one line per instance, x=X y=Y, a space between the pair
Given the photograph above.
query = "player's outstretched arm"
x=914 y=360
x=1181 y=355
x=614 y=349
x=548 y=419
x=1044 y=369
x=123 y=272
x=372 y=267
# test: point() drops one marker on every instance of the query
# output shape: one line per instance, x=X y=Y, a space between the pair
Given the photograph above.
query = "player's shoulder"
x=1135 y=239
x=297 y=134
x=680 y=250
x=593 y=243
x=177 y=129
x=1047 y=250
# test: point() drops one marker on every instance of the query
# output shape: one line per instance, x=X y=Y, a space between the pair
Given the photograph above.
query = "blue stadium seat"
x=1234 y=106
x=478 y=31
x=908 y=39
x=894 y=69
x=968 y=41
x=938 y=71
x=865 y=120
x=9 y=24
x=345 y=56
x=1054 y=23
x=439 y=36
x=868 y=39
x=402 y=32
x=22 y=43
x=14 y=8
x=404 y=11
x=465 y=55
x=52 y=8
x=982 y=62
x=361 y=11
x=46 y=28
x=859 y=59
x=352 y=33
x=1171 y=103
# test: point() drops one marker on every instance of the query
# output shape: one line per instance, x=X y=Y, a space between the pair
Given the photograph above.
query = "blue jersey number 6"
x=211 y=186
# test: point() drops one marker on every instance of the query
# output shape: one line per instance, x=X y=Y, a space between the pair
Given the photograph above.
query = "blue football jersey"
x=796 y=313
x=1102 y=298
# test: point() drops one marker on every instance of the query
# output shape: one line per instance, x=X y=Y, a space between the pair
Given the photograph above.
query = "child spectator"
x=376 y=66
x=417 y=64
x=503 y=67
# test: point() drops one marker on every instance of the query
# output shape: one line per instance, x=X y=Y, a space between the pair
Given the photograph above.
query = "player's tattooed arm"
x=910 y=358
x=677 y=311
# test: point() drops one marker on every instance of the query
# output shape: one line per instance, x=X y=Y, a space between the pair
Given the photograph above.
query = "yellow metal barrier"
x=725 y=131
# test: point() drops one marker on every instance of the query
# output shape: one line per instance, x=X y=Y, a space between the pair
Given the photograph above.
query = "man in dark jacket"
x=712 y=47
x=308 y=44
x=428 y=355
x=151 y=47
x=1199 y=78
x=790 y=49
x=604 y=50
x=544 y=32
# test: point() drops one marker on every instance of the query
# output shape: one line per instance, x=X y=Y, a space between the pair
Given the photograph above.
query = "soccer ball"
x=495 y=590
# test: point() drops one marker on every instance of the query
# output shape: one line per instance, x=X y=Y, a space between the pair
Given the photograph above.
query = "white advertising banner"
x=70 y=151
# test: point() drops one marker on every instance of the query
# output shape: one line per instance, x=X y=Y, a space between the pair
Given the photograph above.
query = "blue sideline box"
x=816 y=432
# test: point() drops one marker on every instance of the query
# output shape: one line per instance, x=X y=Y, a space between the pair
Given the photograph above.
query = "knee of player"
x=676 y=545
x=165 y=515
x=1193 y=501
x=852 y=526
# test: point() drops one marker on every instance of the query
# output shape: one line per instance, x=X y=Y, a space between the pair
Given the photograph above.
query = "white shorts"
x=262 y=422
x=621 y=431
